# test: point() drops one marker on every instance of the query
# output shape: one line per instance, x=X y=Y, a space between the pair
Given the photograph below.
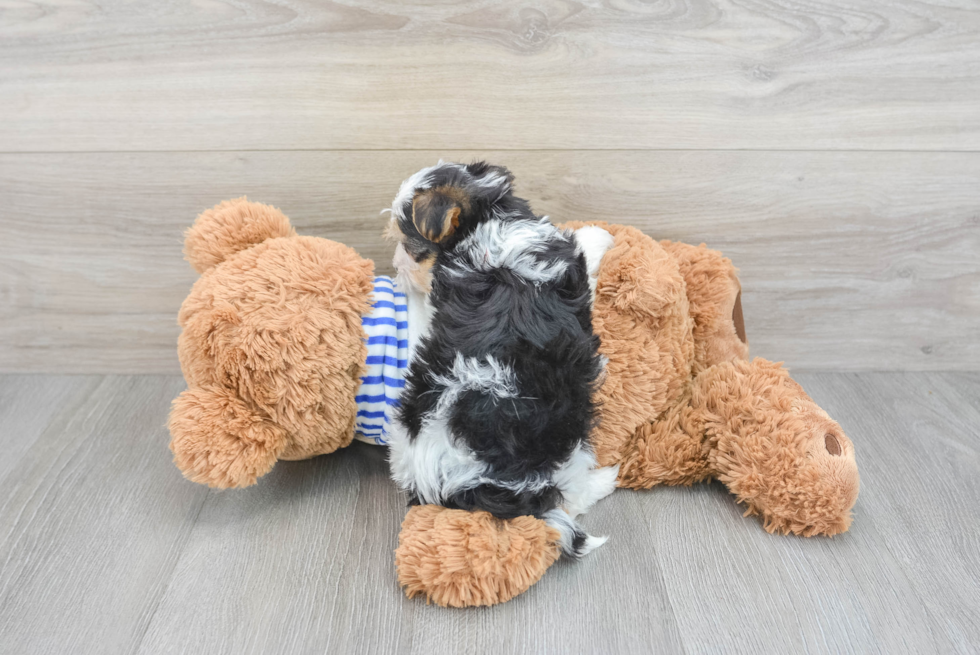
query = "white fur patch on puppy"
x=496 y=181
x=582 y=485
x=513 y=245
x=469 y=374
x=420 y=309
x=594 y=242
x=433 y=468
x=568 y=531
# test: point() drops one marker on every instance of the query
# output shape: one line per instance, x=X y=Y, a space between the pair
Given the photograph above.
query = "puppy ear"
x=435 y=215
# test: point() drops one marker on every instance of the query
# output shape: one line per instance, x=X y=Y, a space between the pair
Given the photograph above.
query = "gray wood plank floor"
x=106 y=549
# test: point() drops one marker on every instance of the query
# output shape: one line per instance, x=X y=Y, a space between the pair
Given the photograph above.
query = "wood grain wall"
x=831 y=149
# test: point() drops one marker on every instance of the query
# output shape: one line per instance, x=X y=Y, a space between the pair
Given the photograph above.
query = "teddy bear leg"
x=667 y=451
x=456 y=558
x=715 y=298
x=219 y=441
x=775 y=449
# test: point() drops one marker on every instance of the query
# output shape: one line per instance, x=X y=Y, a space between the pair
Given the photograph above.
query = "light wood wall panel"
x=300 y=74
x=848 y=260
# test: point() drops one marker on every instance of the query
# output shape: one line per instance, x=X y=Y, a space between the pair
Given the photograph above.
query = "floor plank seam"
x=60 y=423
x=934 y=614
x=170 y=574
x=644 y=496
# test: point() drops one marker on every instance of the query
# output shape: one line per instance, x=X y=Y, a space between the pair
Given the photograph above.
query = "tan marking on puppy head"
x=416 y=273
x=422 y=276
x=456 y=194
x=435 y=212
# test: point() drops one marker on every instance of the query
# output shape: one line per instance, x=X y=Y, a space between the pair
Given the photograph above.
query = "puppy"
x=497 y=407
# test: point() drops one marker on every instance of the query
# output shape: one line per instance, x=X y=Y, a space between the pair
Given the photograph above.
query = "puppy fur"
x=497 y=409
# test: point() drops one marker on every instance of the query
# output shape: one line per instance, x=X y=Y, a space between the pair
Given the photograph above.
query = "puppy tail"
x=574 y=542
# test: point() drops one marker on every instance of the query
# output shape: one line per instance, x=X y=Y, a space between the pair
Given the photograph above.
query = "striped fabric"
x=386 y=327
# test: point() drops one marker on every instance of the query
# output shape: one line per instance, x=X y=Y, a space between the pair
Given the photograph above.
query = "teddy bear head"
x=271 y=346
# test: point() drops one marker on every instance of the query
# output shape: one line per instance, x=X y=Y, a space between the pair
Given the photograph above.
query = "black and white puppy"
x=497 y=408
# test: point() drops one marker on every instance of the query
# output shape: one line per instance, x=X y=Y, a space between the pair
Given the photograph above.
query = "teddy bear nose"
x=832 y=444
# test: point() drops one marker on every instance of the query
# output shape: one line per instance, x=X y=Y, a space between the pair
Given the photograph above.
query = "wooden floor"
x=105 y=548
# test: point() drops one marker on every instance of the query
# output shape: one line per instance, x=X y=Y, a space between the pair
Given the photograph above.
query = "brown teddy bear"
x=272 y=346
x=273 y=351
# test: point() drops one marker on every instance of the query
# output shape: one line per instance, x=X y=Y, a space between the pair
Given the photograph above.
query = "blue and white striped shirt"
x=386 y=326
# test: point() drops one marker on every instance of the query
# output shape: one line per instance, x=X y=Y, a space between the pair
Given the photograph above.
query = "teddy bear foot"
x=456 y=558
x=776 y=449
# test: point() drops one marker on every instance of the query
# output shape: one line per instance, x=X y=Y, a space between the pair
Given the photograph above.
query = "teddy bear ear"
x=230 y=227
